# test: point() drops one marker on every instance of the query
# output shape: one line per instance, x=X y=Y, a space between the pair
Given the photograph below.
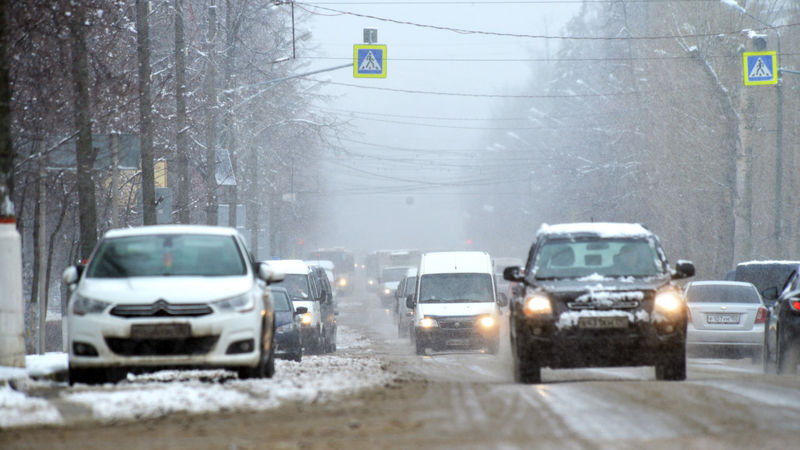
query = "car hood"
x=283 y=317
x=171 y=289
x=456 y=309
x=564 y=286
x=390 y=284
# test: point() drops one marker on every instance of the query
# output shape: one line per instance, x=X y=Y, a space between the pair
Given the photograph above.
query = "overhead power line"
x=306 y=6
x=553 y=60
x=467 y=94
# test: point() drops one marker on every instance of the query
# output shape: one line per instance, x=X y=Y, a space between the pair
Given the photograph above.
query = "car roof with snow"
x=455 y=262
x=289 y=266
x=170 y=229
x=599 y=229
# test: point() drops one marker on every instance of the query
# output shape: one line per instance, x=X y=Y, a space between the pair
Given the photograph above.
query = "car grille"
x=162 y=308
x=456 y=322
x=162 y=347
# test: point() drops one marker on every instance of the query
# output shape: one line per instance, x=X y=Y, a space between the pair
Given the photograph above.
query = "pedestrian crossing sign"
x=760 y=68
x=369 y=61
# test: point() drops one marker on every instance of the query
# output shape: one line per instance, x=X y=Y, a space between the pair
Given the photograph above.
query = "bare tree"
x=182 y=150
x=87 y=204
x=145 y=112
x=6 y=149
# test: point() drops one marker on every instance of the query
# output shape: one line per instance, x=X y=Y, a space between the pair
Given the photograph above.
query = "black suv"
x=783 y=332
x=598 y=295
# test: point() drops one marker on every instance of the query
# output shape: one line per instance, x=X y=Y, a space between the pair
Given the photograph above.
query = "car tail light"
x=795 y=305
x=761 y=315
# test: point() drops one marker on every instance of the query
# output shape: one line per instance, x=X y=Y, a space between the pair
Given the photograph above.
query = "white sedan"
x=727 y=318
x=169 y=296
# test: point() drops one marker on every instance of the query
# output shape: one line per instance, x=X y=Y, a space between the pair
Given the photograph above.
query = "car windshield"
x=297 y=285
x=711 y=293
x=609 y=257
x=391 y=274
x=456 y=288
x=167 y=255
x=281 y=301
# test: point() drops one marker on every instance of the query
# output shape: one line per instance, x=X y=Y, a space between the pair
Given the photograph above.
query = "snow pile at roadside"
x=316 y=378
x=17 y=409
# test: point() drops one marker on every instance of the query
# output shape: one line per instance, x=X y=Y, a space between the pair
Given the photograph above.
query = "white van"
x=303 y=291
x=455 y=303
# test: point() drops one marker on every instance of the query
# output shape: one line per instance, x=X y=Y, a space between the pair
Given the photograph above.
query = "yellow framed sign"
x=760 y=68
x=369 y=61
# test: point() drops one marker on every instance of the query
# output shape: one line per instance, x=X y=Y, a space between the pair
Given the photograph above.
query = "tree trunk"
x=87 y=207
x=211 y=117
x=182 y=204
x=6 y=149
x=230 y=46
x=145 y=113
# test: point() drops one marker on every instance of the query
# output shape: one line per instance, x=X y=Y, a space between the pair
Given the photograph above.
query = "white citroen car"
x=169 y=296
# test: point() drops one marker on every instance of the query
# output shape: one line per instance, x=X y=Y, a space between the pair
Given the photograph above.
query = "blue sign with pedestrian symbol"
x=760 y=68
x=369 y=61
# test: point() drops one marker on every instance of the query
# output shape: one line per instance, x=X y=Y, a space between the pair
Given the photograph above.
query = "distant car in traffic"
x=169 y=296
x=455 y=303
x=598 y=295
x=726 y=318
x=405 y=315
x=288 y=339
x=783 y=332
x=299 y=282
x=389 y=280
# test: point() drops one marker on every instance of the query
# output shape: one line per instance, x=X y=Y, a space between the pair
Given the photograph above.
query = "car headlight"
x=668 y=302
x=306 y=319
x=342 y=282
x=427 y=322
x=240 y=303
x=370 y=282
x=285 y=328
x=487 y=322
x=537 y=304
x=83 y=305
x=387 y=291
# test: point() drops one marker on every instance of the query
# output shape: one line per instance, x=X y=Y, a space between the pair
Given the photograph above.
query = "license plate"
x=457 y=342
x=161 y=331
x=603 y=322
x=723 y=318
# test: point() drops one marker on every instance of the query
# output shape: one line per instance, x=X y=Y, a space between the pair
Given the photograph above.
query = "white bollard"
x=12 y=343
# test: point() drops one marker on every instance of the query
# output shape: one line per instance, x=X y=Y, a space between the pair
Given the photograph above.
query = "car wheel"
x=526 y=370
x=789 y=357
x=264 y=368
x=493 y=347
x=269 y=367
x=672 y=366
x=86 y=376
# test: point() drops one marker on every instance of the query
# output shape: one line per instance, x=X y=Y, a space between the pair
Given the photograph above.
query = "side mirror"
x=269 y=275
x=502 y=300
x=513 y=273
x=770 y=293
x=683 y=269
x=300 y=310
x=410 y=303
x=70 y=275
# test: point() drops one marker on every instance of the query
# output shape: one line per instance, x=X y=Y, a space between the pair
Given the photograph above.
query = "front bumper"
x=288 y=342
x=215 y=340
x=641 y=343
x=468 y=334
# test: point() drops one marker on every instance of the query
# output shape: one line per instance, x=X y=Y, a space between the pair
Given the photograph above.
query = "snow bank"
x=17 y=409
x=316 y=378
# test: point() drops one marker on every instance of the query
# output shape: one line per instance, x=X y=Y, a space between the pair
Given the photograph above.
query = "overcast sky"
x=383 y=194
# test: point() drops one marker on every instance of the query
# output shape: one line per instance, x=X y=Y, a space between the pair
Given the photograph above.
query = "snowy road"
x=374 y=392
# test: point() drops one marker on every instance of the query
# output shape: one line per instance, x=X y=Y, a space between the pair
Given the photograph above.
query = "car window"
x=281 y=301
x=393 y=274
x=296 y=285
x=711 y=293
x=167 y=255
x=456 y=288
x=618 y=257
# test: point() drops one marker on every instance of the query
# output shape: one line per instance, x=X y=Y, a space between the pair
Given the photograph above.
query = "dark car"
x=783 y=332
x=767 y=276
x=327 y=307
x=598 y=295
x=288 y=340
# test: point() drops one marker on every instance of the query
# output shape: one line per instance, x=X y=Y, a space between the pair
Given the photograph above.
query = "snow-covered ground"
x=145 y=396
